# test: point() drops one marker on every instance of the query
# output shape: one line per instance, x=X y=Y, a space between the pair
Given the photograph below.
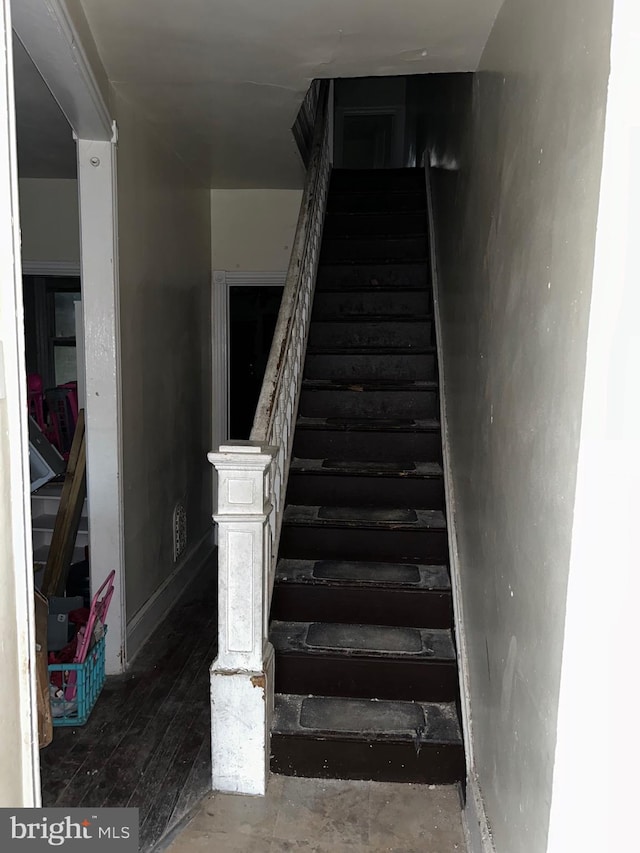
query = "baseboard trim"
x=474 y=821
x=450 y=494
x=146 y=620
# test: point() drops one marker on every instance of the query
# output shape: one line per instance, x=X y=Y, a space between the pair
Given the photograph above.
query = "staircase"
x=361 y=617
x=44 y=508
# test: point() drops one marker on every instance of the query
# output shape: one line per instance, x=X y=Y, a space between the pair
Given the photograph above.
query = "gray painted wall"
x=516 y=244
x=49 y=222
x=165 y=320
x=253 y=229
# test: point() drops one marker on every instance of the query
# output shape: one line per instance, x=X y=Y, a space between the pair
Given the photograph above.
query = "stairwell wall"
x=516 y=217
x=253 y=230
x=165 y=279
x=49 y=220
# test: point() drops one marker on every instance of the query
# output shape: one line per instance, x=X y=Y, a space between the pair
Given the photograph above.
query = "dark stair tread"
x=373 y=318
x=372 y=213
x=369 y=424
x=410 y=275
x=373 y=286
x=370 y=641
x=345 y=238
x=364 y=518
x=413 y=190
x=385 y=176
x=372 y=223
x=408 y=469
x=366 y=719
x=376 y=181
x=369 y=385
x=369 y=349
x=368 y=262
x=361 y=573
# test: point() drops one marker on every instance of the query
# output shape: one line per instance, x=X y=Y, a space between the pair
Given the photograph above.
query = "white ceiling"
x=225 y=78
x=45 y=145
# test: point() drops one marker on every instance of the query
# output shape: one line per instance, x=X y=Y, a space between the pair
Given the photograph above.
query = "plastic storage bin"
x=73 y=702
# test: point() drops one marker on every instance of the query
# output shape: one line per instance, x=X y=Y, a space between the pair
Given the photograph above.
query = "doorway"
x=367 y=140
x=253 y=313
x=50 y=327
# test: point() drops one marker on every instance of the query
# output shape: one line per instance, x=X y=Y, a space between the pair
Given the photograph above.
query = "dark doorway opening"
x=368 y=140
x=253 y=313
x=49 y=324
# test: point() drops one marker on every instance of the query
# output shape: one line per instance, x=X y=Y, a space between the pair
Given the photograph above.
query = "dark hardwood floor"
x=147 y=742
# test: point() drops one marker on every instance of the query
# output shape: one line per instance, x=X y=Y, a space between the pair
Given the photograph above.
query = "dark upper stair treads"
x=361 y=592
x=365 y=202
x=391 y=439
x=323 y=398
x=417 y=485
x=373 y=180
x=364 y=533
x=368 y=363
x=389 y=301
x=379 y=331
x=357 y=250
x=373 y=223
x=371 y=277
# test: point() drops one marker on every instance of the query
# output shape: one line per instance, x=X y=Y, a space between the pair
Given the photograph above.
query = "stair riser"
x=385 y=366
x=370 y=276
x=371 y=334
x=48 y=505
x=326 y=543
x=343 y=490
x=362 y=605
x=363 y=249
x=407 y=302
x=365 y=678
x=378 y=201
x=43 y=537
x=378 y=761
x=40 y=554
x=390 y=180
x=363 y=446
x=371 y=224
x=369 y=404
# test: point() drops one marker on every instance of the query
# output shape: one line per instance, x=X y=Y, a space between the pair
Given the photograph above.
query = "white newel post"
x=242 y=673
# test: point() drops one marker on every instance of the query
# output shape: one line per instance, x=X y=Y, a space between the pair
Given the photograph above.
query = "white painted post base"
x=242 y=673
x=241 y=714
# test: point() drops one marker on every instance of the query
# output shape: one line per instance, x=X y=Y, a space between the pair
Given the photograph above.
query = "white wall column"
x=242 y=673
x=99 y=251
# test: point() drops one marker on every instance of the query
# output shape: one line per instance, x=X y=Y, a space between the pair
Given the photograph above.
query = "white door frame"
x=97 y=179
x=19 y=756
x=60 y=48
